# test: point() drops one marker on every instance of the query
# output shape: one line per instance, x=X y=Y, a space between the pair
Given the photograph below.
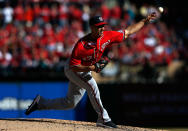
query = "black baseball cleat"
x=108 y=124
x=33 y=106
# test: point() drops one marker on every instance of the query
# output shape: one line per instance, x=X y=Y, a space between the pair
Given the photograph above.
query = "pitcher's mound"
x=58 y=125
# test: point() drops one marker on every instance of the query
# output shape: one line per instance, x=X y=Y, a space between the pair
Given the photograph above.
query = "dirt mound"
x=58 y=125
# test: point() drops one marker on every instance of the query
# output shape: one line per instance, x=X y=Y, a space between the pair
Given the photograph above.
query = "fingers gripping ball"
x=101 y=64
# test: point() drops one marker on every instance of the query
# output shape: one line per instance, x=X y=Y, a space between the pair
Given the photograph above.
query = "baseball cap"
x=97 y=21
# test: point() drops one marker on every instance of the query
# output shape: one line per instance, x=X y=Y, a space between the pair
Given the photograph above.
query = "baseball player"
x=86 y=57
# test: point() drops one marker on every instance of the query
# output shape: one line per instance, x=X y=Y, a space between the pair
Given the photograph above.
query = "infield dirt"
x=58 y=125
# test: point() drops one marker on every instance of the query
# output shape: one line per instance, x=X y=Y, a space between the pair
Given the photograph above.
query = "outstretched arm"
x=136 y=27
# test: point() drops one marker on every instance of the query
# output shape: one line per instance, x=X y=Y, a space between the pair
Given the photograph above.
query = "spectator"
x=45 y=13
x=8 y=14
x=18 y=14
x=54 y=14
x=52 y=27
x=37 y=14
x=29 y=15
x=63 y=16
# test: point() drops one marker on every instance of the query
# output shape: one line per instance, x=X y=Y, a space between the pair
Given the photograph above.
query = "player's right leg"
x=86 y=81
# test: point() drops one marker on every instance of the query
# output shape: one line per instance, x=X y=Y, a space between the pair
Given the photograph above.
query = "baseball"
x=161 y=9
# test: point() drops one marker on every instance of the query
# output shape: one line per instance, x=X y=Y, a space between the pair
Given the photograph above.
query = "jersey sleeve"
x=118 y=36
x=74 y=61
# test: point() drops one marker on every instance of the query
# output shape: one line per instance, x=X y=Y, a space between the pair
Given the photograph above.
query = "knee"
x=72 y=104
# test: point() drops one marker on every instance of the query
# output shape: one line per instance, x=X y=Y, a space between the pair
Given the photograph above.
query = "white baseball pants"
x=79 y=82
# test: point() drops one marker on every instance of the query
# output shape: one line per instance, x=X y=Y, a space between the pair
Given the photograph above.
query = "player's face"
x=97 y=30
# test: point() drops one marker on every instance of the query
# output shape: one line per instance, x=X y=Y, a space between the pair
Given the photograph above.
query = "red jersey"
x=87 y=52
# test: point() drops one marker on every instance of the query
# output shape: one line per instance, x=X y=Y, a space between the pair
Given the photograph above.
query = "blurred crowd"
x=41 y=34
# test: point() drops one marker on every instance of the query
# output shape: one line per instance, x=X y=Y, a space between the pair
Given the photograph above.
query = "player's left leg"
x=74 y=95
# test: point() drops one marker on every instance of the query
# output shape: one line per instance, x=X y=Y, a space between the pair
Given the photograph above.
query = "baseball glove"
x=99 y=66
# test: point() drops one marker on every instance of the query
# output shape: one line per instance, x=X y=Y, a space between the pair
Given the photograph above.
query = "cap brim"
x=101 y=23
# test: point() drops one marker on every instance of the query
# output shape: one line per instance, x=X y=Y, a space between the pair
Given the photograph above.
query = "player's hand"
x=151 y=17
x=101 y=64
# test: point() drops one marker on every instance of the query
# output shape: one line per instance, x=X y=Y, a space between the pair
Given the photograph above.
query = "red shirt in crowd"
x=45 y=12
x=37 y=10
x=88 y=53
x=19 y=13
x=29 y=13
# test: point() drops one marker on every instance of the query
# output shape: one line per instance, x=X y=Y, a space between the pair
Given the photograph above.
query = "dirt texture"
x=58 y=125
